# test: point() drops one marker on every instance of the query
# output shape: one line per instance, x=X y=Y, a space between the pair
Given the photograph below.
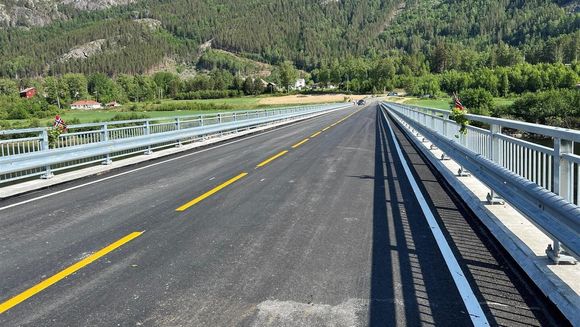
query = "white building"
x=300 y=84
x=86 y=105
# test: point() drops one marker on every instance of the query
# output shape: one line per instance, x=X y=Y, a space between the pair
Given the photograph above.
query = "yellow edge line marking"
x=315 y=134
x=267 y=161
x=300 y=143
x=325 y=129
x=210 y=193
x=7 y=305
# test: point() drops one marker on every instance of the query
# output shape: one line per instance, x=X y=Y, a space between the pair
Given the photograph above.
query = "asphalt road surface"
x=287 y=228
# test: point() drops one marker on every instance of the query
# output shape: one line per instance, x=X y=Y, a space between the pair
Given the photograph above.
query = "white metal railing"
x=542 y=182
x=527 y=159
x=26 y=153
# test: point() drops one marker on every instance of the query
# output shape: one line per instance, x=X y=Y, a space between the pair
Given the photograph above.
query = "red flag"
x=59 y=122
x=458 y=103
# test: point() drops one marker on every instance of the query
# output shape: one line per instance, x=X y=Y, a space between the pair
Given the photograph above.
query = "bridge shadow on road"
x=410 y=282
x=406 y=286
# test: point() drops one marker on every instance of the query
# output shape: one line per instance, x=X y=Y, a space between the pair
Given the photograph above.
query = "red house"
x=28 y=93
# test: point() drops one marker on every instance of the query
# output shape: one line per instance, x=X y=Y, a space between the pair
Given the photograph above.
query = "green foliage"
x=288 y=74
x=479 y=101
x=459 y=117
x=553 y=107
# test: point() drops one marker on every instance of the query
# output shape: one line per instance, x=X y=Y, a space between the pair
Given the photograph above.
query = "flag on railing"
x=59 y=123
x=458 y=103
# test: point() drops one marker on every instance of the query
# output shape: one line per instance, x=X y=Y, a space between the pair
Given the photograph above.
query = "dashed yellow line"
x=7 y=305
x=300 y=143
x=210 y=192
x=267 y=161
x=315 y=134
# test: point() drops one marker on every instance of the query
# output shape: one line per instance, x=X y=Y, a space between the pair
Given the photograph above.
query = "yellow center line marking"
x=300 y=143
x=210 y=193
x=315 y=134
x=326 y=128
x=267 y=161
x=7 y=305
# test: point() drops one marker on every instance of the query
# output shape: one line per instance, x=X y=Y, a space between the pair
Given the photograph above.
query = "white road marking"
x=211 y=179
x=148 y=166
x=471 y=303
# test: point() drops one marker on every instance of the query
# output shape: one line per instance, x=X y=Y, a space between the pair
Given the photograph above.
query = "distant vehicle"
x=361 y=102
x=393 y=94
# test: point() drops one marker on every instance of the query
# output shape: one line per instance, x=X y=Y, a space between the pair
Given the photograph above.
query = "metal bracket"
x=107 y=162
x=433 y=147
x=462 y=172
x=48 y=175
x=445 y=157
x=493 y=199
x=558 y=256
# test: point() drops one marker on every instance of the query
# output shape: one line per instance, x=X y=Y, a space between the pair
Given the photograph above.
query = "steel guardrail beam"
x=48 y=157
x=555 y=216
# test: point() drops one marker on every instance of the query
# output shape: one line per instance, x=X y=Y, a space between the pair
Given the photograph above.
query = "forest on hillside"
x=309 y=33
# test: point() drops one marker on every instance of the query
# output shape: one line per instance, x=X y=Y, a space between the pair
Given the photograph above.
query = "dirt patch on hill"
x=305 y=99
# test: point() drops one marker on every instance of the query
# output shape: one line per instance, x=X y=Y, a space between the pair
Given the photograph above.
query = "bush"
x=554 y=107
x=477 y=101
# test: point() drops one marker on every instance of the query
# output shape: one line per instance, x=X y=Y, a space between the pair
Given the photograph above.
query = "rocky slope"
x=29 y=13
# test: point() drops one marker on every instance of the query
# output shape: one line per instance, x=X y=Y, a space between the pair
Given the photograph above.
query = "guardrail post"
x=45 y=146
x=147 y=128
x=105 y=138
x=177 y=128
x=219 y=118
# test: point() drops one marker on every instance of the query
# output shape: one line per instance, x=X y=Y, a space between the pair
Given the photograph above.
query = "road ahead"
x=329 y=233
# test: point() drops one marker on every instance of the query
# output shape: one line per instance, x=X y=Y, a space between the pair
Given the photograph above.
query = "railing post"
x=562 y=172
x=219 y=118
x=562 y=185
x=147 y=129
x=178 y=128
x=45 y=146
x=493 y=149
x=445 y=123
x=105 y=138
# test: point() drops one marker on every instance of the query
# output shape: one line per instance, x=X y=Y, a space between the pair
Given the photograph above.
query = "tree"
x=8 y=87
x=288 y=74
x=478 y=101
x=258 y=86
x=55 y=90
x=77 y=86
x=248 y=86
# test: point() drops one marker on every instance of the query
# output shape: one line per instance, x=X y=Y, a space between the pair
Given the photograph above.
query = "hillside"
x=124 y=36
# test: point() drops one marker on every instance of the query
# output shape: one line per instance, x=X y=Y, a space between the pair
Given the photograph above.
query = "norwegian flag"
x=59 y=122
x=458 y=103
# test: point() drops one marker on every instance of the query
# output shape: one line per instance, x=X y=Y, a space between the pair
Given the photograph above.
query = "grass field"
x=147 y=110
x=444 y=103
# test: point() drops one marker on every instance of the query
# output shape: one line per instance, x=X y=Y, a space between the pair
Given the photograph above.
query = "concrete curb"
x=561 y=294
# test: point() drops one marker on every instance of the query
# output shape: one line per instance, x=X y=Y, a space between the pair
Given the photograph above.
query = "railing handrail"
x=142 y=120
x=555 y=132
x=38 y=156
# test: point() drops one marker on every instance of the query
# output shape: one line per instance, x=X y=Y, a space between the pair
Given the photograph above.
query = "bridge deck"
x=329 y=233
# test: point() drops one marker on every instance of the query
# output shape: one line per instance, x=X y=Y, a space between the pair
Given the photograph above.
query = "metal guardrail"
x=26 y=153
x=541 y=182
